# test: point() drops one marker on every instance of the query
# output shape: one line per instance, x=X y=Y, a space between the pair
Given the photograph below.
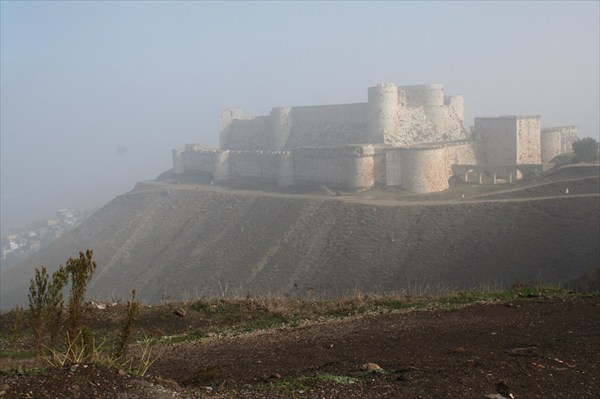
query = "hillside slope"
x=182 y=241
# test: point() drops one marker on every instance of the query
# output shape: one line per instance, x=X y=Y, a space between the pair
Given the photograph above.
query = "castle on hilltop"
x=408 y=136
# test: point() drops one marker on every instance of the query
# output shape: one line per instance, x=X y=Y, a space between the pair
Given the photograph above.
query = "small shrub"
x=133 y=310
x=140 y=364
x=38 y=299
x=80 y=271
x=77 y=351
x=54 y=310
x=46 y=303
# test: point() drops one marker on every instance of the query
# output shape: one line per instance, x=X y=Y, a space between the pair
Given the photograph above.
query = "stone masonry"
x=409 y=136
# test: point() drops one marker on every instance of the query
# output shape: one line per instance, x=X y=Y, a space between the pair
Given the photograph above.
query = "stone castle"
x=408 y=136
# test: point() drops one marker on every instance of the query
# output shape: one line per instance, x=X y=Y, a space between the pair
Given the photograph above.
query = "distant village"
x=20 y=242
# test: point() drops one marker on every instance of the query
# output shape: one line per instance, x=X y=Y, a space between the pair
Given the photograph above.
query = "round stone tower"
x=557 y=140
x=423 y=170
x=360 y=166
x=431 y=98
x=383 y=110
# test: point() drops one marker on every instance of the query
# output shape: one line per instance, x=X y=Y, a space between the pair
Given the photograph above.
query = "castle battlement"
x=408 y=136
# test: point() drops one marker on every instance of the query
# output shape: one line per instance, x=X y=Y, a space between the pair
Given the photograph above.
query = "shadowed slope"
x=181 y=241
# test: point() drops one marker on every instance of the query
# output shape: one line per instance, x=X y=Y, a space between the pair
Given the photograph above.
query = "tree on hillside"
x=586 y=150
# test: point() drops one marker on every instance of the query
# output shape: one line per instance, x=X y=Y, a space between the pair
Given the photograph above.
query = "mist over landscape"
x=94 y=95
x=273 y=199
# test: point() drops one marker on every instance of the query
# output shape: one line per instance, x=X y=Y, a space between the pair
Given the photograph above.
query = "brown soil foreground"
x=540 y=348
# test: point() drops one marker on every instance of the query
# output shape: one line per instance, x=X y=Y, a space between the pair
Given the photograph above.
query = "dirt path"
x=566 y=182
x=545 y=349
x=157 y=185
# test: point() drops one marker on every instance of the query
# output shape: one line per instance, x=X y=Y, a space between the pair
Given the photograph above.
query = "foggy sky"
x=94 y=95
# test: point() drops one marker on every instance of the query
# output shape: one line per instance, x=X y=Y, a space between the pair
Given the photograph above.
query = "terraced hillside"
x=187 y=240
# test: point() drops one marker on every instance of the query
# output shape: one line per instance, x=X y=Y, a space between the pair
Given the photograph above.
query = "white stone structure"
x=509 y=140
x=409 y=136
x=557 y=140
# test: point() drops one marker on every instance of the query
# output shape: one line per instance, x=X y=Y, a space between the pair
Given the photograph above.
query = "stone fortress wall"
x=427 y=169
x=393 y=115
x=557 y=140
x=409 y=136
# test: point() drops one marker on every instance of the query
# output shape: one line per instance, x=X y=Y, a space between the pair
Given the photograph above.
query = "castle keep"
x=409 y=136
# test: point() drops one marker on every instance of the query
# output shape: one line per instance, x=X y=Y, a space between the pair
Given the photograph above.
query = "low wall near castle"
x=420 y=169
x=199 y=158
x=494 y=173
x=350 y=166
x=257 y=165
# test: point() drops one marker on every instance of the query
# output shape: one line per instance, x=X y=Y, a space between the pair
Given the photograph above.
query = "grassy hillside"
x=188 y=241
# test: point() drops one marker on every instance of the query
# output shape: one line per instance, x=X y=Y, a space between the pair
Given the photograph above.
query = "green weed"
x=337 y=379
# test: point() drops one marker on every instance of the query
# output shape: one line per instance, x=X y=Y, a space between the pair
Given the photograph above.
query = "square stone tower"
x=509 y=140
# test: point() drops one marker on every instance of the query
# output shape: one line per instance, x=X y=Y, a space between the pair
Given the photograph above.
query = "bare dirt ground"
x=540 y=347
